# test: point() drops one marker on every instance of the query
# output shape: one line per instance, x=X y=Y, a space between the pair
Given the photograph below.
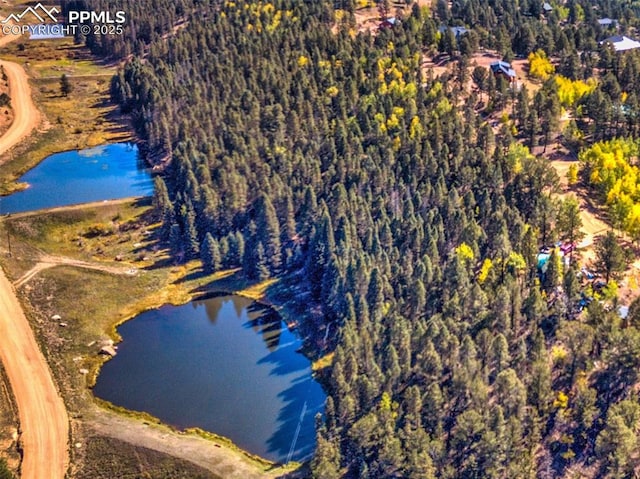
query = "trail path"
x=48 y=261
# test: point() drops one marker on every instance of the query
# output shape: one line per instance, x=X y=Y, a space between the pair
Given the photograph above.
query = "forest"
x=295 y=148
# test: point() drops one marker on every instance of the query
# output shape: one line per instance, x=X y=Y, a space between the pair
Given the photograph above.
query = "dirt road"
x=49 y=261
x=43 y=417
x=26 y=114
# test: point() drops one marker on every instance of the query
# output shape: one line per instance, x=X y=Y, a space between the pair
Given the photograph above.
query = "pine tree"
x=161 y=200
x=326 y=461
x=289 y=227
x=210 y=254
x=569 y=220
x=65 y=85
x=610 y=256
x=175 y=239
x=268 y=231
x=553 y=274
x=320 y=248
x=375 y=294
x=249 y=258
x=168 y=219
x=331 y=288
x=262 y=264
x=190 y=240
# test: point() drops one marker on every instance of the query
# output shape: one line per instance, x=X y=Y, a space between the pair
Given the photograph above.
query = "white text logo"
x=39 y=11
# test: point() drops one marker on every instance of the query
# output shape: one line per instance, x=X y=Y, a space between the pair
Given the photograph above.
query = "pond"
x=224 y=364
x=82 y=176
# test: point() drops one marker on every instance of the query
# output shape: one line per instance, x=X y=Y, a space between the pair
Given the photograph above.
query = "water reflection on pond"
x=224 y=364
x=74 y=177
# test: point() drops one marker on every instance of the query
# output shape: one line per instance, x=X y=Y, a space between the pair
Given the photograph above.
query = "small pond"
x=224 y=364
x=74 y=177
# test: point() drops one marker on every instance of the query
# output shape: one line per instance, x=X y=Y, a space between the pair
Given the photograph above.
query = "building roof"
x=457 y=31
x=607 y=21
x=621 y=43
x=389 y=22
x=546 y=6
x=504 y=68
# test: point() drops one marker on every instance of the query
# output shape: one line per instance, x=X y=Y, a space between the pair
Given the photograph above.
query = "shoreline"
x=145 y=416
x=17 y=186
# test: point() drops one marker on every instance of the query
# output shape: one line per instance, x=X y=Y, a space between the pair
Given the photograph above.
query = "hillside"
x=406 y=216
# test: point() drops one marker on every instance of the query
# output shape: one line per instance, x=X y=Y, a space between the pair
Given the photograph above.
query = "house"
x=546 y=6
x=504 y=69
x=388 y=23
x=457 y=31
x=607 y=22
x=621 y=43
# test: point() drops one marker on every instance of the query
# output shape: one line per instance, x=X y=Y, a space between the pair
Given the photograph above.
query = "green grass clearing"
x=83 y=119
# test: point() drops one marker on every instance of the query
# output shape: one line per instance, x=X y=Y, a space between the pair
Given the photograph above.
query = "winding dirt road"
x=43 y=418
x=27 y=115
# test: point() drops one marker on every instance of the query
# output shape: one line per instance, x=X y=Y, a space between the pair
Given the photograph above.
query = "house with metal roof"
x=607 y=22
x=388 y=23
x=457 y=31
x=503 y=68
x=621 y=43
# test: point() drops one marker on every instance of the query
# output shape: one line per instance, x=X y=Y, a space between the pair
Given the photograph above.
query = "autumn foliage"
x=539 y=65
x=611 y=167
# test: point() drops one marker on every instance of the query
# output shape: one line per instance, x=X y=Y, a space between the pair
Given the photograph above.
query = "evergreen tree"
x=65 y=85
x=326 y=461
x=268 y=230
x=610 y=256
x=262 y=264
x=161 y=200
x=210 y=254
x=569 y=220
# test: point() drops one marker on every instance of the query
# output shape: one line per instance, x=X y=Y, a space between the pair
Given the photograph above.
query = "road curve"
x=26 y=115
x=44 y=424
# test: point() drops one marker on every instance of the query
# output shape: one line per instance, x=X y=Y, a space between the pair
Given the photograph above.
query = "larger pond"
x=73 y=177
x=224 y=364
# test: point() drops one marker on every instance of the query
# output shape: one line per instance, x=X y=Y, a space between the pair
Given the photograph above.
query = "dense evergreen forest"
x=295 y=148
